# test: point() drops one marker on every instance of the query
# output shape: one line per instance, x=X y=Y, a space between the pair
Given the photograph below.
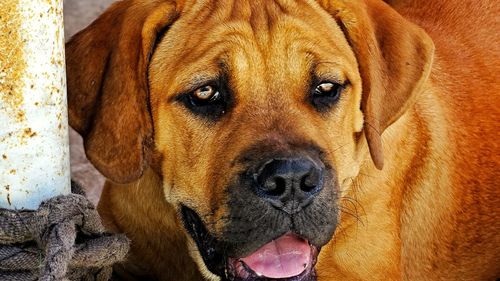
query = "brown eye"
x=210 y=101
x=327 y=89
x=207 y=101
x=325 y=95
x=206 y=93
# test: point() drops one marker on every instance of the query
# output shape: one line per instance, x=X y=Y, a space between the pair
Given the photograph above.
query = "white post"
x=34 y=149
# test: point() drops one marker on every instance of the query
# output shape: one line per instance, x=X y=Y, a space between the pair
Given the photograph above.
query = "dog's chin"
x=286 y=258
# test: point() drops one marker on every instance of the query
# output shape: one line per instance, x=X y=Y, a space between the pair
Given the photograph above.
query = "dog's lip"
x=268 y=263
x=232 y=269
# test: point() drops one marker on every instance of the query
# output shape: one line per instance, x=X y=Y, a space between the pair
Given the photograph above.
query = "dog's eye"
x=328 y=90
x=326 y=94
x=207 y=101
x=205 y=96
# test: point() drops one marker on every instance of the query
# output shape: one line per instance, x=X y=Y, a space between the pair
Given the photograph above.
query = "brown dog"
x=237 y=135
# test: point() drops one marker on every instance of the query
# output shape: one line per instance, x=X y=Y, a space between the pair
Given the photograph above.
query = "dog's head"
x=256 y=115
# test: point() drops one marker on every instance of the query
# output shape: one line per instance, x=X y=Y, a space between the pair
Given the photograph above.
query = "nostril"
x=275 y=186
x=308 y=183
x=271 y=180
x=311 y=181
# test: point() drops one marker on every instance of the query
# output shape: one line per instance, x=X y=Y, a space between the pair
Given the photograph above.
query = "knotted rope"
x=63 y=240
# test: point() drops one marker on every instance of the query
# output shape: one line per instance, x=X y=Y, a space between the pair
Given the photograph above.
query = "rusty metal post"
x=34 y=149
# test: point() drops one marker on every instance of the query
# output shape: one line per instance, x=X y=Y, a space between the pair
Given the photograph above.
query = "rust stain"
x=28 y=133
x=4 y=157
x=12 y=63
x=7 y=187
x=13 y=172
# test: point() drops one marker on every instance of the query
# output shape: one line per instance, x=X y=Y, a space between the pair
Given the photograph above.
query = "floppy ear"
x=108 y=89
x=394 y=58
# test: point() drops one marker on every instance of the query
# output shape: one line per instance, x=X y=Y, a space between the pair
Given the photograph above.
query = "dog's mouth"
x=286 y=258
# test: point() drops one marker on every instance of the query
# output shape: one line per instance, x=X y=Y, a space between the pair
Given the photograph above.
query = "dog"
x=295 y=140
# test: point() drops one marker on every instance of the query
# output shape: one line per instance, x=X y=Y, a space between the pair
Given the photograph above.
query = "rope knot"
x=63 y=240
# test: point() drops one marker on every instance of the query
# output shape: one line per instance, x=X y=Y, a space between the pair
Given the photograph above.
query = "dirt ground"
x=77 y=15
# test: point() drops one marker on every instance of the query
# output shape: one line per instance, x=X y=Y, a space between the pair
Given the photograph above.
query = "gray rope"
x=63 y=240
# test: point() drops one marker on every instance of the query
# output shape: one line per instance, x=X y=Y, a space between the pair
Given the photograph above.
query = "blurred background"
x=77 y=15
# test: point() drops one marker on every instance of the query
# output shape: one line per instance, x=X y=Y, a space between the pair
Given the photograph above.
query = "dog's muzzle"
x=281 y=211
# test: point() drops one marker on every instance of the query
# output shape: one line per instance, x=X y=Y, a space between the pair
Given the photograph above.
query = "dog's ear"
x=394 y=59
x=108 y=89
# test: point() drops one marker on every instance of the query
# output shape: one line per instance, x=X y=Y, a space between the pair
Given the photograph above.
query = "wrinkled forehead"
x=255 y=41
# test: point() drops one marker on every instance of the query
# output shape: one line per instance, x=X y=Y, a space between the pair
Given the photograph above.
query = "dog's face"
x=256 y=117
x=251 y=112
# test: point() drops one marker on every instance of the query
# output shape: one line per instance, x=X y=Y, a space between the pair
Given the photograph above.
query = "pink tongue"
x=286 y=257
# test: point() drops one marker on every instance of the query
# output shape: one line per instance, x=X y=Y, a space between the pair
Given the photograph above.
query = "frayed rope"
x=63 y=240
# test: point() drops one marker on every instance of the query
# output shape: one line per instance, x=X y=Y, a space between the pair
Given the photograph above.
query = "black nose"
x=289 y=184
